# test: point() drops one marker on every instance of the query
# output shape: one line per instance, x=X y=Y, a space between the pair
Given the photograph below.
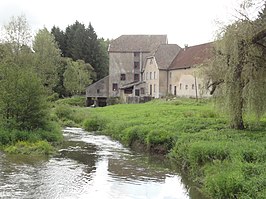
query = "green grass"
x=225 y=163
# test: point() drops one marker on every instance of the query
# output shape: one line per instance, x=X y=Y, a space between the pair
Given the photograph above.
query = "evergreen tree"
x=60 y=38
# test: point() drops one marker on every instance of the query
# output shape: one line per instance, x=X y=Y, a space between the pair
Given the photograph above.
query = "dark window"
x=137 y=92
x=128 y=90
x=115 y=87
x=150 y=89
x=98 y=91
x=175 y=90
x=136 y=54
x=192 y=86
x=136 y=77
x=123 y=77
x=186 y=87
x=142 y=91
x=136 y=65
x=180 y=86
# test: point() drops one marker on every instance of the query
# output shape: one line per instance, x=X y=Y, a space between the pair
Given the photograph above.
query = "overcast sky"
x=184 y=21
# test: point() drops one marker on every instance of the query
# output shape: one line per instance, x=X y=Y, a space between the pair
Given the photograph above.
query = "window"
x=136 y=65
x=136 y=54
x=136 y=77
x=98 y=91
x=186 y=87
x=123 y=77
x=150 y=75
x=142 y=91
x=115 y=87
x=180 y=86
x=192 y=86
x=170 y=88
x=170 y=75
x=154 y=75
x=137 y=92
x=150 y=89
x=175 y=90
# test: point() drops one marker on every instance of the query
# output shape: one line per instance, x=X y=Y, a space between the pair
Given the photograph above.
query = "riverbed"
x=89 y=165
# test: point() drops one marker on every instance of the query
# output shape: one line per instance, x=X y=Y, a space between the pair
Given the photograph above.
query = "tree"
x=77 y=76
x=47 y=58
x=22 y=98
x=17 y=33
x=238 y=70
x=60 y=38
x=82 y=43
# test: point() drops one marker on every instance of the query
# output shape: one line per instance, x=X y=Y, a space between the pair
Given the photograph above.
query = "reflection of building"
x=142 y=67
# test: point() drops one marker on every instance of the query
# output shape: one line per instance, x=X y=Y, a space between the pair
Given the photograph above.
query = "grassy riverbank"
x=225 y=163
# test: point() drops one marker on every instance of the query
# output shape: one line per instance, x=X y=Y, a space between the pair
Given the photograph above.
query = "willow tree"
x=237 y=72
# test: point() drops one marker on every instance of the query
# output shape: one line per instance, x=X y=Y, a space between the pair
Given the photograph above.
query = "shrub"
x=94 y=123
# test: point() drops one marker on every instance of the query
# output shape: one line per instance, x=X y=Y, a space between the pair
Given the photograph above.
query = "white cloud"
x=190 y=21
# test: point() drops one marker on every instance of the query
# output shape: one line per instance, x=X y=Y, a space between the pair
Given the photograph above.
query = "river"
x=90 y=166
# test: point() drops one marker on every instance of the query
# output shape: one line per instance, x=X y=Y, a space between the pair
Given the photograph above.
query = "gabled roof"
x=165 y=54
x=137 y=43
x=191 y=56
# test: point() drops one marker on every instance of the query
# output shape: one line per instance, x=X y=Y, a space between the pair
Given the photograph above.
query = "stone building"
x=142 y=67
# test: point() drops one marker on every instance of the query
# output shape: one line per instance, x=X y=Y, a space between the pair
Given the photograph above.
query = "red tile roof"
x=191 y=56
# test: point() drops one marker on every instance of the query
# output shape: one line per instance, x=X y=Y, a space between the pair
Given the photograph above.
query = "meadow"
x=223 y=162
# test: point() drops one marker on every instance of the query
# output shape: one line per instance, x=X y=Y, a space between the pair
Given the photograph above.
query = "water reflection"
x=88 y=166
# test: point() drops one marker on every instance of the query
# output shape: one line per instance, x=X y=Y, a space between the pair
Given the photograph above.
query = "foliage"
x=47 y=57
x=72 y=101
x=81 y=43
x=17 y=33
x=24 y=111
x=39 y=147
x=22 y=100
x=238 y=70
x=77 y=76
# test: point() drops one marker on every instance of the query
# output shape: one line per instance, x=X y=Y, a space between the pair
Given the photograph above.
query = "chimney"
x=185 y=47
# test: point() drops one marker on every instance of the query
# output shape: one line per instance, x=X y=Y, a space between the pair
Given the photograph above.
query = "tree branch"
x=213 y=85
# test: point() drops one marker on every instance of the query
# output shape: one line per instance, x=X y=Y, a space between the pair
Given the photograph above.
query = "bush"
x=94 y=124
x=23 y=147
x=72 y=101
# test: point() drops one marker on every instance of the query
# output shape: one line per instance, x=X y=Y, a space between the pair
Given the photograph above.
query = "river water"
x=90 y=166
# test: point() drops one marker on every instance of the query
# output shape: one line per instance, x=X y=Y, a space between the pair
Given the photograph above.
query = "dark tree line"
x=81 y=43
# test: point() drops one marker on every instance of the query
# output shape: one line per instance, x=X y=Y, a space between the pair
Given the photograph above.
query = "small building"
x=184 y=80
x=97 y=93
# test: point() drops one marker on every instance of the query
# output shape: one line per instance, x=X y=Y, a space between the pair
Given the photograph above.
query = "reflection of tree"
x=132 y=169
x=81 y=152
